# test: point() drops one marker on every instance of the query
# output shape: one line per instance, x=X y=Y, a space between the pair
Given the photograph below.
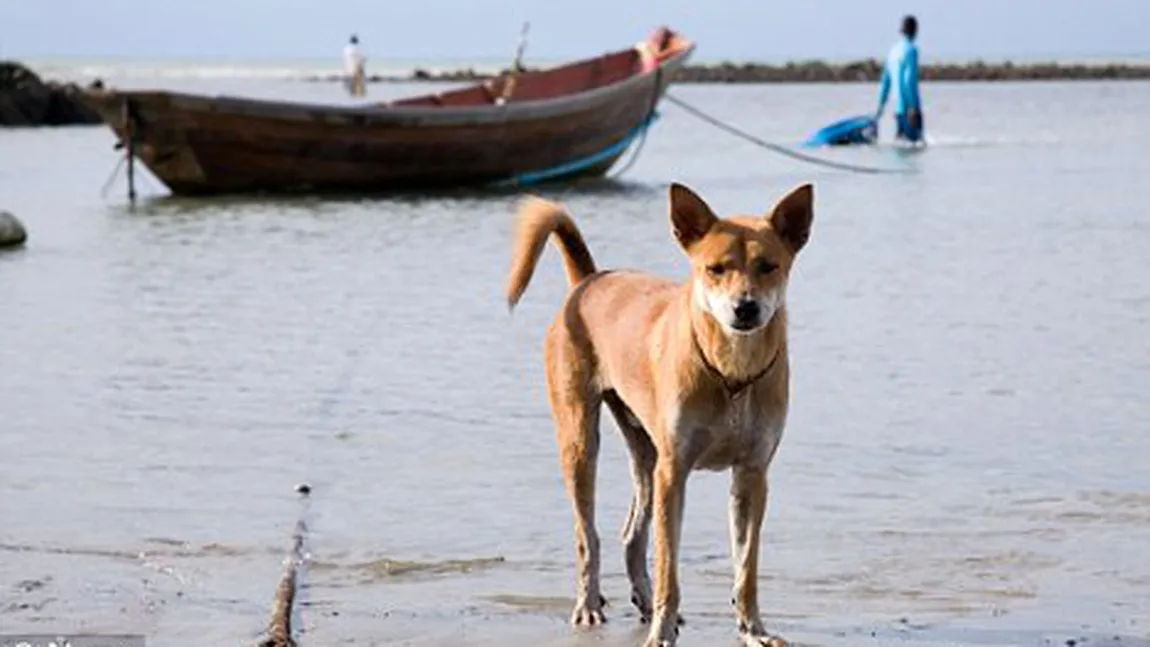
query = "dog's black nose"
x=747 y=311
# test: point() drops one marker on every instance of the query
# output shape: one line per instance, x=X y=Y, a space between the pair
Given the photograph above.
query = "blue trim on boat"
x=575 y=166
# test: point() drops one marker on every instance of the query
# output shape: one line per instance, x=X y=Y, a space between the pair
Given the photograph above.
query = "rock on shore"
x=26 y=100
x=12 y=232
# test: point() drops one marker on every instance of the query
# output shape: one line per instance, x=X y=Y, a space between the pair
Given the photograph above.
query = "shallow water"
x=965 y=461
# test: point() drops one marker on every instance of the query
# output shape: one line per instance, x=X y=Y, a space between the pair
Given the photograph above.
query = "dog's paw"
x=642 y=602
x=762 y=640
x=665 y=635
x=653 y=641
x=588 y=613
x=661 y=642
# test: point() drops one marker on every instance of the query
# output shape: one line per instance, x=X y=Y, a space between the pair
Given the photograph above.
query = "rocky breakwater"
x=865 y=71
x=26 y=100
x=870 y=71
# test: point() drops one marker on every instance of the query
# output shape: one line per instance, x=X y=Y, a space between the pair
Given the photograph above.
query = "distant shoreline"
x=865 y=71
x=27 y=100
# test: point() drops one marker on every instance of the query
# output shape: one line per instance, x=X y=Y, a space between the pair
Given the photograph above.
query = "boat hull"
x=211 y=145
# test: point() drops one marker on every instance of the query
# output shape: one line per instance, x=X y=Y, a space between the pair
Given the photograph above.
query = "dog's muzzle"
x=748 y=315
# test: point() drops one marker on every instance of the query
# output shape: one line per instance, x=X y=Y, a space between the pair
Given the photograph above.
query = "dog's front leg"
x=670 y=492
x=748 y=507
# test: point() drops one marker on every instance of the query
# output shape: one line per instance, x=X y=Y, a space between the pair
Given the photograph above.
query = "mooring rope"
x=636 y=152
x=652 y=115
x=778 y=148
x=112 y=177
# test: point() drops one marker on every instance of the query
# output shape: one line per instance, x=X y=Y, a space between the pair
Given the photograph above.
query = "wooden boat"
x=558 y=123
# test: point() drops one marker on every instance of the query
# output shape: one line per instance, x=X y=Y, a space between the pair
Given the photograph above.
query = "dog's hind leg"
x=575 y=406
x=636 y=531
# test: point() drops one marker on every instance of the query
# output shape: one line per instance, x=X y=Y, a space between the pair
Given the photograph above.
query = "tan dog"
x=696 y=376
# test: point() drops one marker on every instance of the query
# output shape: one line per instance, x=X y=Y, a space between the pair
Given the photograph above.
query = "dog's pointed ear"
x=691 y=218
x=791 y=216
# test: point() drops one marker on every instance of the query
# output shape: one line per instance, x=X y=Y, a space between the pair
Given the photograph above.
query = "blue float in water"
x=853 y=130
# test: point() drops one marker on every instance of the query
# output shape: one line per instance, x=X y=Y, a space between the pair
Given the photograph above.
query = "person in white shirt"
x=353 y=65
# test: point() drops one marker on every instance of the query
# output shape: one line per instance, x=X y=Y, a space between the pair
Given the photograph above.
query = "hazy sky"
x=429 y=29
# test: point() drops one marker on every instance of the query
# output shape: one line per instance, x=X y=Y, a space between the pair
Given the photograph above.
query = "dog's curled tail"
x=538 y=219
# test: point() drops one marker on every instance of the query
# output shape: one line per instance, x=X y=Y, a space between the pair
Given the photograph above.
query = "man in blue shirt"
x=901 y=73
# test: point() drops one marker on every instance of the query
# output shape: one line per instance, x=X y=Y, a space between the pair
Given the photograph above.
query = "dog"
x=696 y=376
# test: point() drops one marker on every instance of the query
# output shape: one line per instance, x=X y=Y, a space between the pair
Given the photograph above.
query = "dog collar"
x=733 y=389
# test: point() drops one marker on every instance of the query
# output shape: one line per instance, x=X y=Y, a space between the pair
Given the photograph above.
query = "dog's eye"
x=763 y=266
x=716 y=270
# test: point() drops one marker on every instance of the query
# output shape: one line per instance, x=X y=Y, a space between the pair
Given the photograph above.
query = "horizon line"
x=221 y=59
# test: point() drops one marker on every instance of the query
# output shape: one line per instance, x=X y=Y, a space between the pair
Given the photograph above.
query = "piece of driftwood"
x=279 y=631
